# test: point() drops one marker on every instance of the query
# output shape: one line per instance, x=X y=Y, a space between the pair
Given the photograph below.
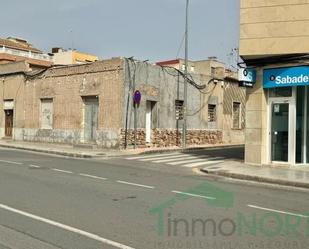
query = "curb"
x=85 y=155
x=60 y=153
x=188 y=149
x=259 y=179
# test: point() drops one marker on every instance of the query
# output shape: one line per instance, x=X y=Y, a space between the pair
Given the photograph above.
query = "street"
x=142 y=202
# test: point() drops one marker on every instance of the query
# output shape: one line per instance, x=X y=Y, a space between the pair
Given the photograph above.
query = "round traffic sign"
x=137 y=97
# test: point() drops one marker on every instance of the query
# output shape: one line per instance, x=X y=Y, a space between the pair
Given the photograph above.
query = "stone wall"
x=171 y=137
x=140 y=138
x=203 y=137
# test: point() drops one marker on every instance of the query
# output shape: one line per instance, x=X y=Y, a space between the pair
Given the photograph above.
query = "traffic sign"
x=137 y=96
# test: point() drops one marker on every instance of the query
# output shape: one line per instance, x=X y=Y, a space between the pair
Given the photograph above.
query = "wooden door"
x=91 y=118
x=8 y=123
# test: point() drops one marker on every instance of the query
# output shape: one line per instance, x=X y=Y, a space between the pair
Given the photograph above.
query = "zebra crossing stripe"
x=187 y=161
x=174 y=159
x=161 y=158
x=149 y=156
x=191 y=165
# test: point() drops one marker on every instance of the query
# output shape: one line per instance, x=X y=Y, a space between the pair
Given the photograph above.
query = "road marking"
x=175 y=159
x=35 y=166
x=191 y=165
x=94 y=177
x=278 y=211
x=11 y=162
x=194 y=195
x=135 y=184
x=187 y=161
x=161 y=158
x=66 y=227
x=63 y=171
x=149 y=156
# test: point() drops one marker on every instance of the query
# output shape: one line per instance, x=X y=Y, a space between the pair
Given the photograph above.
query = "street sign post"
x=137 y=97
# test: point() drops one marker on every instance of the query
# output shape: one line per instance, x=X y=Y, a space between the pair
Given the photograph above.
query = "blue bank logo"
x=283 y=77
x=247 y=75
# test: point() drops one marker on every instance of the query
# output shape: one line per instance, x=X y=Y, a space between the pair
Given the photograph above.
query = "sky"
x=146 y=29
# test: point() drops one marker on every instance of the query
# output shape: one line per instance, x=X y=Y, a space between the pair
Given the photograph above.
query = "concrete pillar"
x=256 y=123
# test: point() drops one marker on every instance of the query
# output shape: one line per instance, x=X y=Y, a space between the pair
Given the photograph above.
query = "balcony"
x=27 y=54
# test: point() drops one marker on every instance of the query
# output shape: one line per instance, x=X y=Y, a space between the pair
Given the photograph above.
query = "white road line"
x=191 y=165
x=187 y=161
x=63 y=171
x=66 y=227
x=94 y=177
x=149 y=156
x=194 y=195
x=135 y=184
x=175 y=159
x=11 y=162
x=35 y=166
x=161 y=158
x=278 y=211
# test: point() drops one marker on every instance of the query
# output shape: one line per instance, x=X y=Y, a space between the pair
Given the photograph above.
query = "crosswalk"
x=179 y=159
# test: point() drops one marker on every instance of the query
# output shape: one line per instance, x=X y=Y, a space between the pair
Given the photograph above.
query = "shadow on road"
x=228 y=153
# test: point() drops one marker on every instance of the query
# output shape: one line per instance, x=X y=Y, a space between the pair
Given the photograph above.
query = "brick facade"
x=67 y=86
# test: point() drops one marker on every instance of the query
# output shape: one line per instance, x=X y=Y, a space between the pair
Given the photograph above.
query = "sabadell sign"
x=287 y=76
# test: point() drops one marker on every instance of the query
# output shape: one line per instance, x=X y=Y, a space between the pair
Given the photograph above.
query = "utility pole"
x=185 y=97
x=134 y=106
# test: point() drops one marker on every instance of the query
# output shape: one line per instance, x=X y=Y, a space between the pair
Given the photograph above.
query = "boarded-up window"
x=212 y=115
x=236 y=115
x=46 y=113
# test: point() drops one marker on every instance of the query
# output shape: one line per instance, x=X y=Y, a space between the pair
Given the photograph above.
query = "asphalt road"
x=142 y=202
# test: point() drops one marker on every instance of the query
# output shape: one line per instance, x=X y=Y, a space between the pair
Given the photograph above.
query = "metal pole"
x=135 y=107
x=185 y=97
x=135 y=124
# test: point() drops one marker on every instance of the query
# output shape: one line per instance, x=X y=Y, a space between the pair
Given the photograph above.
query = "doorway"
x=9 y=114
x=288 y=125
x=280 y=130
x=282 y=125
x=91 y=110
x=302 y=125
x=149 y=119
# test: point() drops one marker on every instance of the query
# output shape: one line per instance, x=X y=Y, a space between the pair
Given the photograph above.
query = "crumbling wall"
x=67 y=86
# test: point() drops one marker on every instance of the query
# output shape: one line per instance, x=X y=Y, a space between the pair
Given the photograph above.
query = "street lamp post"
x=185 y=97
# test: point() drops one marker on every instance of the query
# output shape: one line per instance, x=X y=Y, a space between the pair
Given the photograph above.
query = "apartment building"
x=71 y=57
x=274 y=45
x=211 y=66
x=18 y=49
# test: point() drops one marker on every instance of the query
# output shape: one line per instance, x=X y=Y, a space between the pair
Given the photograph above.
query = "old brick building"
x=92 y=104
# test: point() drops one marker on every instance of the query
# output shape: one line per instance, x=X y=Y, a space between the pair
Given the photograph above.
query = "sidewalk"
x=58 y=149
x=71 y=151
x=294 y=176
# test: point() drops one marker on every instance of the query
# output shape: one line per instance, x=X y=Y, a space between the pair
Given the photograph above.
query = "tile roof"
x=24 y=46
